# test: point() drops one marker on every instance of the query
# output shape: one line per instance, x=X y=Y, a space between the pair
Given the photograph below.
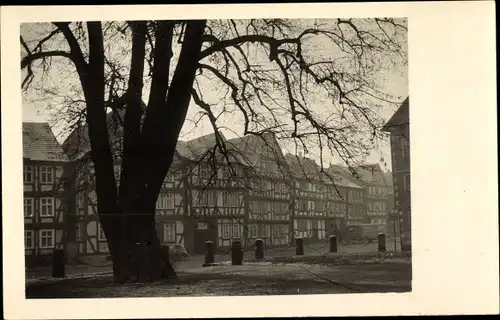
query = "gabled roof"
x=344 y=176
x=307 y=168
x=400 y=117
x=77 y=144
x=198 y=147
x=303 y=167
x=40 y=143
x=369 y=174
x=248 y=148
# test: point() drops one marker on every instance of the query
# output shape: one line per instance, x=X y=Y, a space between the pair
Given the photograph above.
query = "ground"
x=281 y=273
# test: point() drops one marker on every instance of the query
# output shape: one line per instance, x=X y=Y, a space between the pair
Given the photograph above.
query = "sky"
x=36 y=108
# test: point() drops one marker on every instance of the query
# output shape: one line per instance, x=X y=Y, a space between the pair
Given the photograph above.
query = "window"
x=165 y=201
x=205 y=198
x=225 y=231
x=276 y=230
x=302 y=225
x=79 y=231
x=202 y=226
x=46 y=239
x=170 y=179
x=264 y=207
x=28 y=239
x=310 y=205
x=405 y=147
x=102 y=235
x=169 y=198
x=169 y=232
x=302 y=205
x=253 y=230
x=224 y=173
x=236 y=231
x=28 y=207
x=203 y=171
x=318 y=206
x=314 y=224
x=80 y=201
x=28 y=174
x=46 y=175
x=47 y=207
x=407 y=182
x=282 y=231
x=230 y=199
x=264 y=230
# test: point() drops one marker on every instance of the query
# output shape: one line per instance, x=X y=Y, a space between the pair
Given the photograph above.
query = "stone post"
x=58 y=263
x=381 y=242
x=299 y=246
x=236 y=253
x=210 y=253
x=333 y=243
x=259 y=249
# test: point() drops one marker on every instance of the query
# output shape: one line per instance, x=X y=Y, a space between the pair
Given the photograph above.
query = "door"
x=204 y=231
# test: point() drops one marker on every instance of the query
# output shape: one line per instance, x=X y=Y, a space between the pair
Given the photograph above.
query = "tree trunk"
x=135 y=247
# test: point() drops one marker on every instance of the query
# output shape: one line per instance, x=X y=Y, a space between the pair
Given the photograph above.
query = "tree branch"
x=75 y=49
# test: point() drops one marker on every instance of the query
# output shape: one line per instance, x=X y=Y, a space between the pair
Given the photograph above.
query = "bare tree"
x=309 y=83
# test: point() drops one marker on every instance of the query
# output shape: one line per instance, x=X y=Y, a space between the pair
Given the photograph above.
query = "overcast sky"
x=393 y=82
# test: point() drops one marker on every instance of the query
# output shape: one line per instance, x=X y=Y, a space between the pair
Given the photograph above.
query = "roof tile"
x=40 y=143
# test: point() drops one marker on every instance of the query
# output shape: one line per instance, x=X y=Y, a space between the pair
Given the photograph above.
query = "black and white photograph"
x=217 y=157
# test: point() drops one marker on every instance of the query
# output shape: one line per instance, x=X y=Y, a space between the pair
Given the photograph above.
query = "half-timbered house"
x=372 y=179
x=309 y=197
x=377 y=193
x=213 y=187
x=324 y=199
x=268 y=193
x=349 y=196
x=44 y=192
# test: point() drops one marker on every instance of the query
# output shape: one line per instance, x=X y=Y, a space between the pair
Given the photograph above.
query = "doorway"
x=204 y=230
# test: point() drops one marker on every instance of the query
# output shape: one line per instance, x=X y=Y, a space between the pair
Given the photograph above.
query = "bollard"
x=299 y=246
x=333 y=243
x=58 y=263
x=210 y=254
x=381 y=242
x=259 y=249
x=236 y=253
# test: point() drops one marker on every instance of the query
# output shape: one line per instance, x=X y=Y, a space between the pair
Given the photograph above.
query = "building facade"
x=399 y=128
x=44 y=164
x=259 y=194
x=324 y=201
x=372 y=179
